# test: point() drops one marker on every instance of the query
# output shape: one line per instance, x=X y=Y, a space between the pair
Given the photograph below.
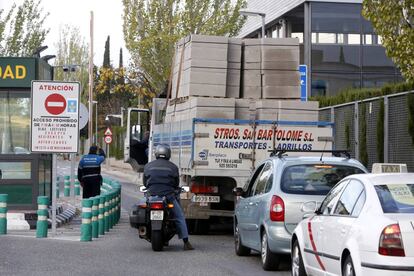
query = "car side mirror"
x=185 y=189
x=238 y=191
x=142 y=189
x=309 y=207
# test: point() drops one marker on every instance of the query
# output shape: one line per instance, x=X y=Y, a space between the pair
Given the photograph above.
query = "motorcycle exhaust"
x=142 y=231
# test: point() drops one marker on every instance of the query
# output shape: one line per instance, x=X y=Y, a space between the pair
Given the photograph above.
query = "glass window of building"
x=298 y=35
x=354 y=39
x=327 y=38
x=14 y=122
x=324 y=84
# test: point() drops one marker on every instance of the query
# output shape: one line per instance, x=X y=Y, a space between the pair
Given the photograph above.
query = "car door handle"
x=343 y=231
x=321 y=229
x=252 y=203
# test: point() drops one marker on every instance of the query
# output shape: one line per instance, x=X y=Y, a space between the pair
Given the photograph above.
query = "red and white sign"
x=55 y=104
x=55 y=117
x=108 y=139
x=108 y=132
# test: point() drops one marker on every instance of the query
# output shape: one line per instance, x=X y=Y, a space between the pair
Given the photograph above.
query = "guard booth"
x=23 y=175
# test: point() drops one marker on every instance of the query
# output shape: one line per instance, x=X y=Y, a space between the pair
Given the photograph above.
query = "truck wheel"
x=156 y=240
x=239 y=248
x=270 y=260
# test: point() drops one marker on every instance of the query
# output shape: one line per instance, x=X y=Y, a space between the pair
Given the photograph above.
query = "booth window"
x=14 y=122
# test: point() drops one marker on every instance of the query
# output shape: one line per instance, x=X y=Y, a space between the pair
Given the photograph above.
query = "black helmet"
x=163 y=151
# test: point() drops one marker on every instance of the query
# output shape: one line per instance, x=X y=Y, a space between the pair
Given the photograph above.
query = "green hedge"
x=351 y=95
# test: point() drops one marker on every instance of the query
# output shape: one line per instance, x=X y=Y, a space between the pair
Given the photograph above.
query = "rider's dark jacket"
x=161 y=177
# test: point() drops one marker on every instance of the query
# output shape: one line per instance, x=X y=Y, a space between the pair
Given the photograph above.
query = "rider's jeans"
x=179 y=218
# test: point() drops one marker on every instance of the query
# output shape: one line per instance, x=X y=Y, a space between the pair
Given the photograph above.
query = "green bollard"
x=101 y=215
x=119 y=202
x=57 y=186
x=66 y=183
x=111 y=211
x=3 y=214
x=41 y=225
x=106 y=213
x=116 y=206
x=86 y=227
x=77 y=186
x=95 y=213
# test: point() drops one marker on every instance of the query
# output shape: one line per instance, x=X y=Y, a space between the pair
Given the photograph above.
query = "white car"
x=364 y=227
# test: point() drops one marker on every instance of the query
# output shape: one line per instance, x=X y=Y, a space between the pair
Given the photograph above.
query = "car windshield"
x=396 y=198
x=314 y=179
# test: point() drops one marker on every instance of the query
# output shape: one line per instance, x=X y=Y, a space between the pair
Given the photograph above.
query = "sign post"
x=303 y=71
x=54 y=124
x=108 y=141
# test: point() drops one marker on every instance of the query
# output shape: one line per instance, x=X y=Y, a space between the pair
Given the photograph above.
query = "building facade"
x=23 y=175
x=338 y=45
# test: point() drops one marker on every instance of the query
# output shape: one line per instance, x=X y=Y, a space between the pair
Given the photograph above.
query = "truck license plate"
x=157 y=215
x=205 y=199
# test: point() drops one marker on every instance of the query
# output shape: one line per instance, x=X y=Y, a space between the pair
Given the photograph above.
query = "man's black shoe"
x=188 y=246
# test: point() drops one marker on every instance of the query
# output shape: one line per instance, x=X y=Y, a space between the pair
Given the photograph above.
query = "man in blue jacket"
x=89 y=172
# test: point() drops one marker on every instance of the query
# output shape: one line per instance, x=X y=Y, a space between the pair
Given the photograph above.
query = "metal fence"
x=349 y=119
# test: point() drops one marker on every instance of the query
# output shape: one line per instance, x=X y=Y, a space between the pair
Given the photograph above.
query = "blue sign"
x=303 y=71
x=72 y=106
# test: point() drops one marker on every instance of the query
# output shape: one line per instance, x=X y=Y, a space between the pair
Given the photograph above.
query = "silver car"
x=270 y=206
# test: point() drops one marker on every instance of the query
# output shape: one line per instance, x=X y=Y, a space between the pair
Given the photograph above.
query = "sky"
x=107 y=21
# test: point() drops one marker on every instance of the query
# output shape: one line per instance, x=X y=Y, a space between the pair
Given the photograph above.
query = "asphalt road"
x=121 y=252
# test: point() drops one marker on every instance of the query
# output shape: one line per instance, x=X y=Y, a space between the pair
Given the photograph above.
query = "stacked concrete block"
x=202 y=107
x=287 y=110
x=203 y=64
x=233 y=67
x=270 y=68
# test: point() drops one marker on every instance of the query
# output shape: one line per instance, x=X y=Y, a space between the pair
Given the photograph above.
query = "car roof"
x=386 y=178
x=327 y=159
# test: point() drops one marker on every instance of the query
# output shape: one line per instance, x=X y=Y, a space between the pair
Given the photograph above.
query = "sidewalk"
x=119 y=169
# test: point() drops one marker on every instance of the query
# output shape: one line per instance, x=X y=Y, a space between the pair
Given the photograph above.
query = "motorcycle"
x=153 y=217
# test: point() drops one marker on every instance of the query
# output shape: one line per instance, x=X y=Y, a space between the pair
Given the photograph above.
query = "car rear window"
x=314 y=179
x=396 y=198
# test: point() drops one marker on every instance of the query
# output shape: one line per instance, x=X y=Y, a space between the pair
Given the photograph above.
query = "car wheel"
x=298 y=269
x=270 y=260
x=348 y=267
x=239 y=248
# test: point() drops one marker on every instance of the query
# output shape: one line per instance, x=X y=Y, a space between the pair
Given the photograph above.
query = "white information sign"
x=55 y=117
x=233 y=146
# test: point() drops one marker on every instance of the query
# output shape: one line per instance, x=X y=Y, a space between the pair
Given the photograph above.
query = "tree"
x=107 y=54
x=151 y=29
x=72 y=50
x=391 y=20
x=25 y=29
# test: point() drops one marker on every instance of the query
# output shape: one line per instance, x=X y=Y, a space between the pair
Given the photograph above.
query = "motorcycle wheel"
x=157 y=240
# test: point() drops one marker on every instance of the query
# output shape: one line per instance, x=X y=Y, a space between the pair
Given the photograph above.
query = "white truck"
x=216 y=155
x=230 y=102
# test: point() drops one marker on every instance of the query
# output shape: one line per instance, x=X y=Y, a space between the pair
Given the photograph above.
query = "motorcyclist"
x=161 y=178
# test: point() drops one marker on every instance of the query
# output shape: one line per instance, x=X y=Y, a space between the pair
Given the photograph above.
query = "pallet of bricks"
x=231 y=78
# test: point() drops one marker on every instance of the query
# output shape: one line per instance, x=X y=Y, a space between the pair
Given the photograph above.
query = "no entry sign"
x=55 y=104
x=55 y=117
